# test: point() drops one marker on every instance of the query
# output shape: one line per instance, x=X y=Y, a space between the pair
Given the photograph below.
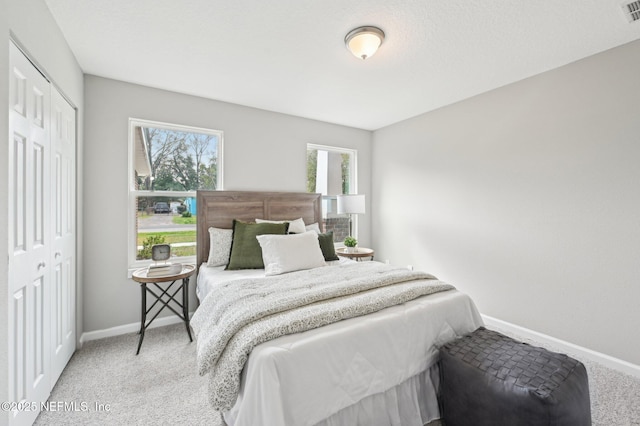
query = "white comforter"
x=321 y=374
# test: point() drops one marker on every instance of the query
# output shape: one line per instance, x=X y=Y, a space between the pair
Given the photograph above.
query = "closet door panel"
x=17 y=199
x=63 y=131
x=18 y=354
x=29 y=237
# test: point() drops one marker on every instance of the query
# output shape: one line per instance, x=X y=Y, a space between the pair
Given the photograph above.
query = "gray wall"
x=262 y=151
x=527 y=198
x=32 y=26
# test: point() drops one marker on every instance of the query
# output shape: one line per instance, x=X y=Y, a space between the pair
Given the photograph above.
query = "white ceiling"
x=289 y=55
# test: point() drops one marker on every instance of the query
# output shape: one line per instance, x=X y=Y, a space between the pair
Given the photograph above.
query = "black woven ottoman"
x=487 y=378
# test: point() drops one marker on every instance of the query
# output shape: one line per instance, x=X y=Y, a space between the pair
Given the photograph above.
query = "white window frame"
x=134 y=193
x=353 y=175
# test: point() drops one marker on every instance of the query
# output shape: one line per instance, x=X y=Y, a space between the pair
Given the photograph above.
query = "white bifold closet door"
x=63 y=290
x=41 y=206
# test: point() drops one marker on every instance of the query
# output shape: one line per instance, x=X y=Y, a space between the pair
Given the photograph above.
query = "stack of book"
x=163 y=269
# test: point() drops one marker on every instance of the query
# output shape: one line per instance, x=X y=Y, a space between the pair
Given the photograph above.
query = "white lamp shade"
x=363 y=42
x=351 y=204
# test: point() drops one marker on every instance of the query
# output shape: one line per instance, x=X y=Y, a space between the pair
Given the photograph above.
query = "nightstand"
x=151 y=284
x=358 y=254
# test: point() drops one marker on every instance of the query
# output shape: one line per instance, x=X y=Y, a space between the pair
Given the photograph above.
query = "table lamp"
x=351 y=204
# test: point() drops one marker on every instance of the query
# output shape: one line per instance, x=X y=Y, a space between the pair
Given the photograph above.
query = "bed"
x=374 y=369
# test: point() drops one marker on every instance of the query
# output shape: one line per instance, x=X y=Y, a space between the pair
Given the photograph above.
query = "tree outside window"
x=169 y=162
x=331 y=172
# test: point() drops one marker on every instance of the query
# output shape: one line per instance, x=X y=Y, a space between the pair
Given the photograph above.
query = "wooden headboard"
x=219 y=208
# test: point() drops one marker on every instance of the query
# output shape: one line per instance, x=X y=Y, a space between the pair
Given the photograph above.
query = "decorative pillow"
x=295 y=226
x=288 y=253
x=219 y=246
x=245 y=250
x=313 y=227
x=326 y=244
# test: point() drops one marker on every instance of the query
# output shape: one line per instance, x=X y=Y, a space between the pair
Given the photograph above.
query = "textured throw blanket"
x=241 y=314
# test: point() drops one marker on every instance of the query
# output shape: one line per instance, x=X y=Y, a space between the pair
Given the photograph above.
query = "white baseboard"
x=127 y=328
x=606 y=360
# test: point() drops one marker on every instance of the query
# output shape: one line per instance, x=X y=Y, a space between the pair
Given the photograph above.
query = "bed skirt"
x=411 y=403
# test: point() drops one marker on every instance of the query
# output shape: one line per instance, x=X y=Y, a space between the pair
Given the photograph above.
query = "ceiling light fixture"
x=363 y=42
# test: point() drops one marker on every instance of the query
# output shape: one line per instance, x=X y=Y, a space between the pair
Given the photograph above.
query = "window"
x=332 y=171
x=167 y=164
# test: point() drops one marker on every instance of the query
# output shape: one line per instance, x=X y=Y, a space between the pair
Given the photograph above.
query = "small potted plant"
x=350 y=243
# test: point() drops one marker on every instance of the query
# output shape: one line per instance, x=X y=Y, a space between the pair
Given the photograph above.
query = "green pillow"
x=326 y=244
x=245 y=249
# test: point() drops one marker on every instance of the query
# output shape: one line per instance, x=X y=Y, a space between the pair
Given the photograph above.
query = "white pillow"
x=295 y=226
x=313 y=227
x=288 y=253
x=219 y=246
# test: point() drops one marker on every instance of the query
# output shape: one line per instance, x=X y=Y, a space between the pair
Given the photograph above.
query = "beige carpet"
x=105 y=383
x=160 y=386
